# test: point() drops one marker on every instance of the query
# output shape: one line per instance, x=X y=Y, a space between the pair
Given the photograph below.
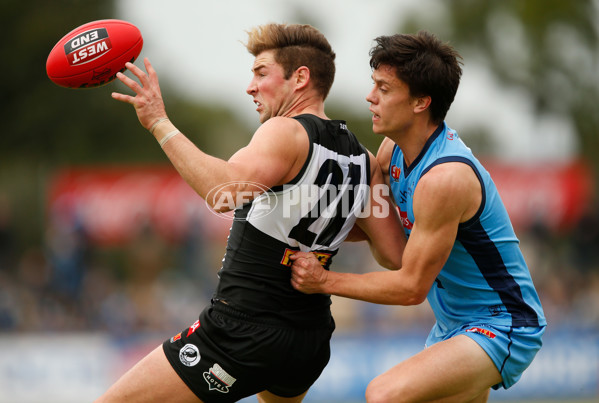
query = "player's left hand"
x=307 y=274
x=148 y=102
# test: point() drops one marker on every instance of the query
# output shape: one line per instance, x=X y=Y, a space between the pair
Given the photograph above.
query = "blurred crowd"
x=68 y=284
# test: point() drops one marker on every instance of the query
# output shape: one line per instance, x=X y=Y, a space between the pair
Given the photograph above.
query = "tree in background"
x=46 y=126
x=549 y=48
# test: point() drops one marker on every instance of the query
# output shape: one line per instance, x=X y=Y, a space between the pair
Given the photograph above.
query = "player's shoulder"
x=451 y=171
x=384 y=153
x=280 y=126
x=451 y=180
x=282 y=135
x=281 y=122
x=452 y=188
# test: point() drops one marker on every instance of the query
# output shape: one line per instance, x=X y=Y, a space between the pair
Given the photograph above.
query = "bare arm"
x=447 y=195
x=383 y=156
x=381 y=225
x=274 y=155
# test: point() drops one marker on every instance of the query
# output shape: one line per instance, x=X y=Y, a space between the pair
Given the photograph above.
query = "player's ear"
x=302 y=76
x=422 y=103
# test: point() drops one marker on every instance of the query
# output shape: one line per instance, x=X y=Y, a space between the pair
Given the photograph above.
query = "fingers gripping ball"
x=92 y=54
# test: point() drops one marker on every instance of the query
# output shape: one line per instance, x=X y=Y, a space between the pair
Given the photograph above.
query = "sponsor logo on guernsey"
x=189 y=355
x=395 y=172
x=403 y=216
x=322 y=257
x=176 y=338
x=482 y=331
x=218 y=379
x=193 y=327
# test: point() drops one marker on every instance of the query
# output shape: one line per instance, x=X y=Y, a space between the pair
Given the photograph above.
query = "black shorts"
x=226 y=356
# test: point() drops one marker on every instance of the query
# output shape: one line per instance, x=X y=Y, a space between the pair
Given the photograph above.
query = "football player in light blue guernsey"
x=461 y=250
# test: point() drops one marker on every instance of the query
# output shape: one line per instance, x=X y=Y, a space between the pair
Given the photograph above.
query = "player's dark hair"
x=428 y=66
x=297 y=45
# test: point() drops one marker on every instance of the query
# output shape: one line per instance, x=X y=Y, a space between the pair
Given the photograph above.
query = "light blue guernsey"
x=485 y=278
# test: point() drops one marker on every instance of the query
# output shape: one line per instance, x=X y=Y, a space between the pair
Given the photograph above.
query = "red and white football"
x=93 y=53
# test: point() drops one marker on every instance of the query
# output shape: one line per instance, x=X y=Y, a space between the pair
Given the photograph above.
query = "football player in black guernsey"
x=303 y=183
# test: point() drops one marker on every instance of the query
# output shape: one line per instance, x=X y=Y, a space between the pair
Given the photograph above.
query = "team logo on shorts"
x=218 y=379
x=189 y=355
x=484 y=332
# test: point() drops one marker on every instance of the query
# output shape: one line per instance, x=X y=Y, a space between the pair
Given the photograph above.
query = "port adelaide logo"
x=87 y=46
x=189 y=355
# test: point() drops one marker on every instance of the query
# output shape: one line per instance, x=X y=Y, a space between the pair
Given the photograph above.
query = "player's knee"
x=390 y=389
x=376 y=392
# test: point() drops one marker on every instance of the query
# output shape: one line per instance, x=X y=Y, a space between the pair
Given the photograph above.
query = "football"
x=92 y=54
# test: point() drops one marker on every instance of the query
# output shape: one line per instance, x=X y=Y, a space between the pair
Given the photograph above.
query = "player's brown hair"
x=428 y=66
x=297 y=45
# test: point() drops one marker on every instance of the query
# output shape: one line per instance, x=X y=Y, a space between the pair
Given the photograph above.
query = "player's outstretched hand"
x=307 y=274
x=148 y=102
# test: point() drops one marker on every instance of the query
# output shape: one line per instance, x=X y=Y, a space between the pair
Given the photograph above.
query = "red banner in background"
x=555 y=195
x=113 y=204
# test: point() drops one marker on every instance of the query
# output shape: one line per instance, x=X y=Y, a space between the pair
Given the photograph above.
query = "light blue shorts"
x=511 y=349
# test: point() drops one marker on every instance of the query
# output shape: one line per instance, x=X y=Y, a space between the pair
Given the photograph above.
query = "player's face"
x=391 y=105
x=271 y=91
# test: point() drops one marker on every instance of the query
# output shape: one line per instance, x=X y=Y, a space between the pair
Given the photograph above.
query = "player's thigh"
x=152 y=379
x=457 y=370
x=267 y=397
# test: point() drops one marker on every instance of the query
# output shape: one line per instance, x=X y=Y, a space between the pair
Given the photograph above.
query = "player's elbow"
x=405 y=298
x=415 y=298
x=415 y=295
x=392 y=264
x=402 y=289
x=388 y=261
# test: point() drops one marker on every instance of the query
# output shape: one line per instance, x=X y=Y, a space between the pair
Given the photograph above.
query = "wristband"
x=168 y=136
x=156 y=123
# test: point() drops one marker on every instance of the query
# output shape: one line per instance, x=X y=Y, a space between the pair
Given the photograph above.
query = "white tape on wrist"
x=156 y=123
x=168 y=136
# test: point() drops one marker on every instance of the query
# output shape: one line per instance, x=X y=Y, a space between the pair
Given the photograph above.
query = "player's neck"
x=413 y=139
x=309 y=103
